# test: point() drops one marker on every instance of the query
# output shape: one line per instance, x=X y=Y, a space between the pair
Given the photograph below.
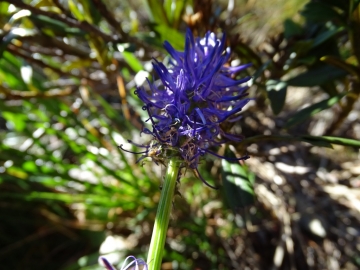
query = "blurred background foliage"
x=68 y=71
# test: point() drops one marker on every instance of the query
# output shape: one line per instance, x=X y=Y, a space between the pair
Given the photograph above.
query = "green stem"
x=158 y=238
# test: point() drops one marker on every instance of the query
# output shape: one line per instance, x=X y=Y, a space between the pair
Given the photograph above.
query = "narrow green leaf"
x=320 y=39
x=91 y=14
x=157 y=12
x=315 y=140
x=57 y=27
x=276 y=90
x=168 y=8
x=307 y=112
x=74 y=8
x=174 y=37
x=133 y=62
x=174 y=9
x=45 y=21
x=178 y=12
x=332 y=140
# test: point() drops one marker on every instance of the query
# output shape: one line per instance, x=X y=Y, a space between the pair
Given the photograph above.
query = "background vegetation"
x=68 y=71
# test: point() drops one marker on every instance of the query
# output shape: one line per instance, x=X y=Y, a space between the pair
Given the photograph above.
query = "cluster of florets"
x=192 y=98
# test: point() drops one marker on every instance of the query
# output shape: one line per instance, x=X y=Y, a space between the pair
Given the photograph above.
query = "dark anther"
x=175 y=123
x=144 y=108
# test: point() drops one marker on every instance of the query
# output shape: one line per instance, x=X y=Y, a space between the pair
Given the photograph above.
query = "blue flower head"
x=192 y=98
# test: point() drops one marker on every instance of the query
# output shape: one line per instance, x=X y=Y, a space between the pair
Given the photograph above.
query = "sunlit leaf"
x=133 y=62
x=174 y=10
x=74 y=7
x=30 y=166
x=174 y=37
x=238 y=184
x=91 y=14
x=18 y=121
x=157 y=12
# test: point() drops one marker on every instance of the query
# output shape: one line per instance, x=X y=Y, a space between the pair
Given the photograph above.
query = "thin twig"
x=54 y=43
x=108 y=16
x=63 y=10
x=16 y=94
x=83 y=25
x=15 y=50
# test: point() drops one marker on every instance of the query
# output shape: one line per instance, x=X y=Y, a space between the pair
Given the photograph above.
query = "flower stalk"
x=158 y=238
x=187 y=104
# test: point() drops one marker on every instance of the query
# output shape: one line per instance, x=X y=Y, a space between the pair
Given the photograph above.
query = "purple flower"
x=134 y=264
x=190 y=101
